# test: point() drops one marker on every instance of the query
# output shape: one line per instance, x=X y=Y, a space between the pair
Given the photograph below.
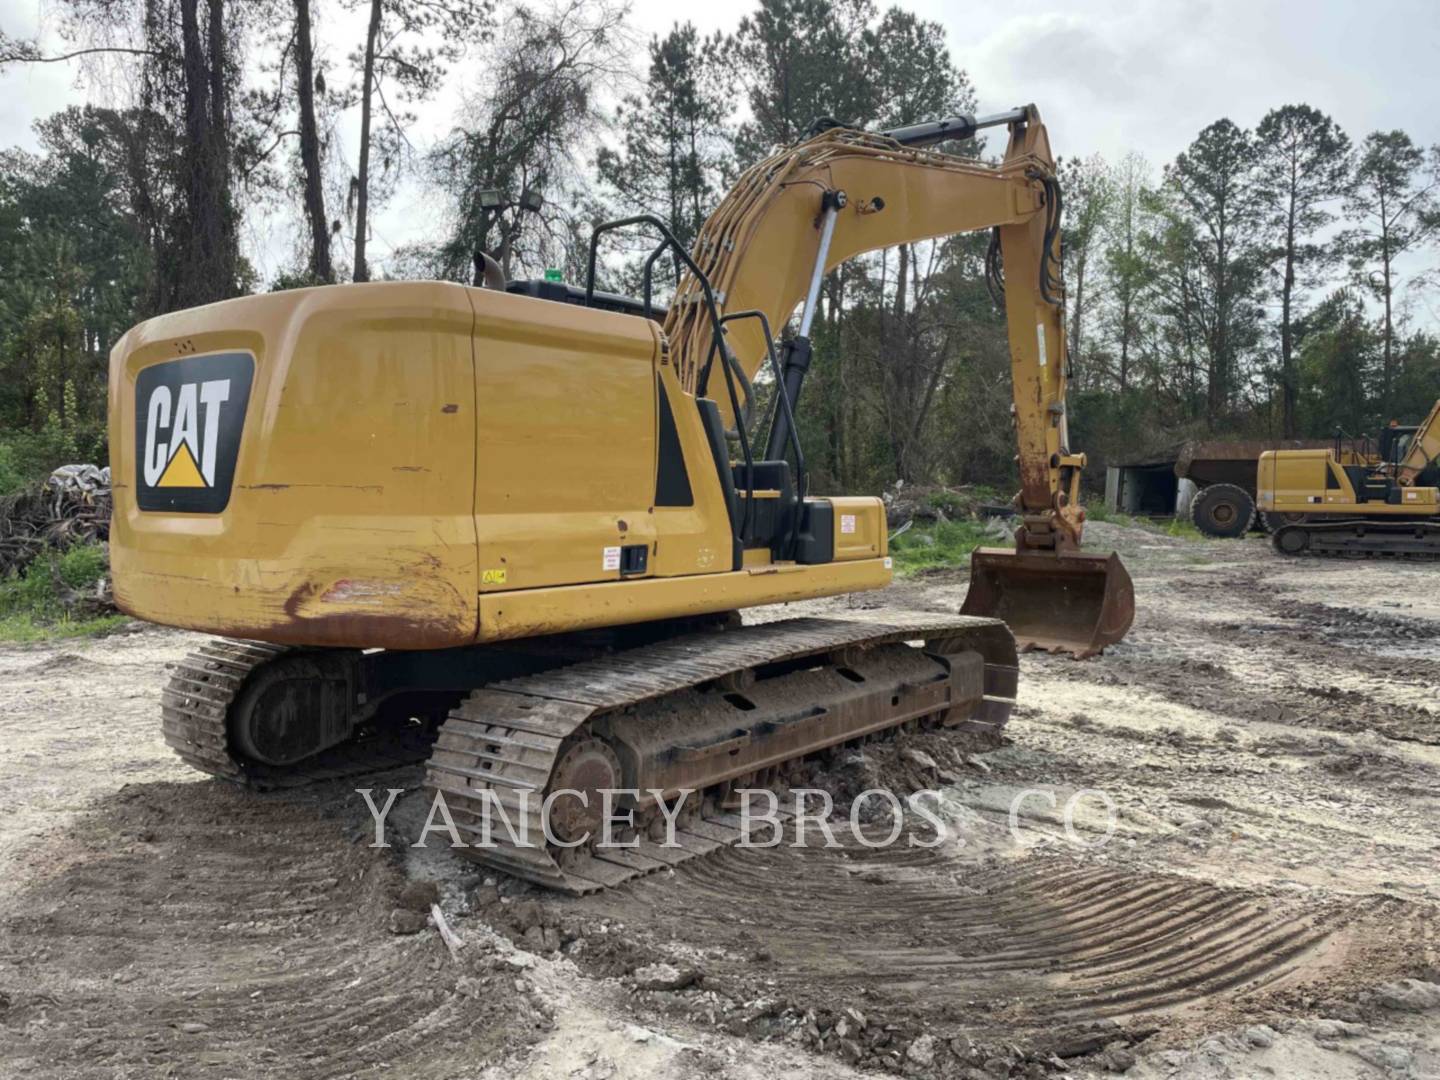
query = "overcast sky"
x=1108 y=75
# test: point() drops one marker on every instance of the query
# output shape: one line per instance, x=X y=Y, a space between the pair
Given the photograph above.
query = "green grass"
x=943 y=545
x=30 y=604
x=1185 y=530
x=1098 y=511
x=22 y=628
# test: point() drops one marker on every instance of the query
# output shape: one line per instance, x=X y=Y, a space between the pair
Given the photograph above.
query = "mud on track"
x=1268 y=736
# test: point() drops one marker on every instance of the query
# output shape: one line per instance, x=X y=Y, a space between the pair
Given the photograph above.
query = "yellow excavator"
x=507 y=528
x=1359 y=499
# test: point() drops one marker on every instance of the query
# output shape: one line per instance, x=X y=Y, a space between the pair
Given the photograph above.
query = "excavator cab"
x=1394 y=442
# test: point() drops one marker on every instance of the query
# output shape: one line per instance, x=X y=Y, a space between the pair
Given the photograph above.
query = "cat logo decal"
x=188 y=419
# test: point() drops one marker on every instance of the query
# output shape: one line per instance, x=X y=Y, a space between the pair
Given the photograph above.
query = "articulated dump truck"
x=507 y=529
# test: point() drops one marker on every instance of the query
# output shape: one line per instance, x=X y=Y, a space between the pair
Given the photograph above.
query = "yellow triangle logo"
x=182 y=471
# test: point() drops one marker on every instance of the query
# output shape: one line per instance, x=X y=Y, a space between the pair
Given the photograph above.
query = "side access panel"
x=565 y=448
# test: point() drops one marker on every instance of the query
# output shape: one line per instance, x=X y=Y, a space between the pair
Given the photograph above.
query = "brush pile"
x=73 y=507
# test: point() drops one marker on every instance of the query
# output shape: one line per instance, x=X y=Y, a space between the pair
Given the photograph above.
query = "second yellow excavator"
x=1357 y=500
x=508 y=527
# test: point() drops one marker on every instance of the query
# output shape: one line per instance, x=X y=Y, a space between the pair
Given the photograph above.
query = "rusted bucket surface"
x=1073 y=603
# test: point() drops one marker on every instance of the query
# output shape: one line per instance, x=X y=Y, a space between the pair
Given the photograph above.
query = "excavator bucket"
x=1072 y=603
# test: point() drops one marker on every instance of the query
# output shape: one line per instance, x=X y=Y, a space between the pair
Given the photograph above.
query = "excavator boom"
x=1424 y=448
x=850 y=192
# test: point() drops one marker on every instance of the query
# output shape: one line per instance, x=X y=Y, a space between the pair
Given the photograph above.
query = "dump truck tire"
x=1223 y=511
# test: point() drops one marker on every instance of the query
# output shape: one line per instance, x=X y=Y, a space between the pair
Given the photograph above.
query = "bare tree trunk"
x=1389 y=333
x=1127 y=303
x=1219 y=382
x=897 y=354
x=199 y=250
x=203 y=268
x=197 y=95
x=362 y=199
x=902 y=284
x=1125 y=318
x=219 y=209
x=921 y=412
x=1389 y=324
x=320 y=268
x=1288 y=390
x=219 y=109
x=508 y=233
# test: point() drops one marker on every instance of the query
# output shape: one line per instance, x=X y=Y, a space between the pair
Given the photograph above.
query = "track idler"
x=1071 y=603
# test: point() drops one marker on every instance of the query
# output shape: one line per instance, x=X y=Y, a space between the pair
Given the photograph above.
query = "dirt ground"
x=1261 y=902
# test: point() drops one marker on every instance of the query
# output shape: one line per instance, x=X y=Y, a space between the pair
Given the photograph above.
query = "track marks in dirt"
x=1231 y=644
x=1212 y=688
x=1003 y=952
x=205 y=930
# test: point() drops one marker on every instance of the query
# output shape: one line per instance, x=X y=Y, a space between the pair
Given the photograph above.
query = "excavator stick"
x=1070 y=603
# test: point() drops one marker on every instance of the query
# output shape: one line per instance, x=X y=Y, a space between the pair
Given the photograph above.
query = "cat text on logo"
x=197 y=433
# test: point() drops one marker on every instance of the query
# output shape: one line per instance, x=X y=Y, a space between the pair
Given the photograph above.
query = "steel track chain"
x=505 y=739
x=1371 y=544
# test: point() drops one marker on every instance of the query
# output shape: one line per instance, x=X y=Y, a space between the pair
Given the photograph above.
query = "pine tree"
x=675 y=153
x=190 y=134
x=1213 y=183
x=1127 y=275
x=912 y=77
x=527 y=129
x=1303 y=164
x=1395 y=207
x=803 y=61
x=320 y=267
x=1089 y=193
x=409 y=46
x=1338 y=362
x=910 y=344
